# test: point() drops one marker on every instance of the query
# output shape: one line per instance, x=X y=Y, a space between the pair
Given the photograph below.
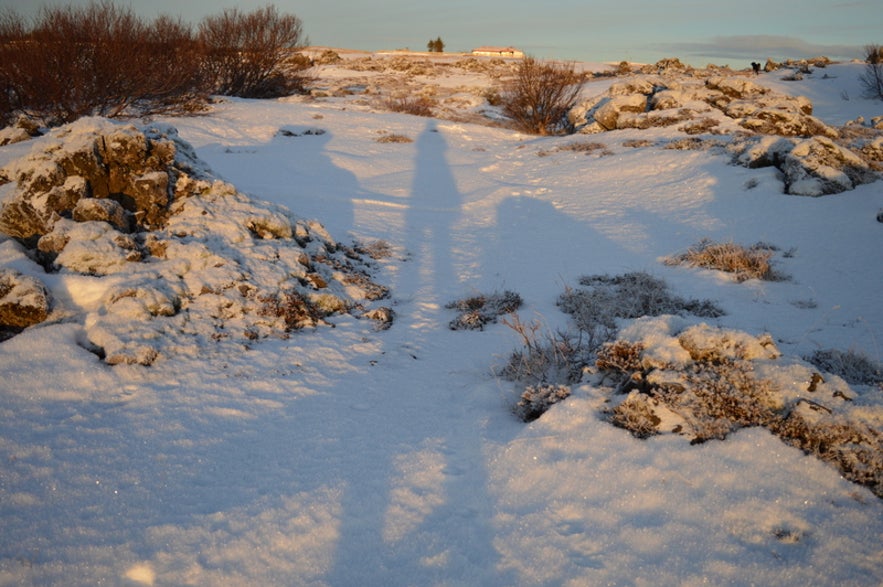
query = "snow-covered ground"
x=352 y=456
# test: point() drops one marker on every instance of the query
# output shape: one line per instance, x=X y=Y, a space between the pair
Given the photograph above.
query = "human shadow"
x=538 y=249
x=296 y=169
x=424 y=514
x=433 y=209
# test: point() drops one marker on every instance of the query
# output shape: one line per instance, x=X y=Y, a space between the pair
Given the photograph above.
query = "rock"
x=100 y=160
x=607 y=115
x=787 y=123
x=735 y=87
x=769 y=151
x=104 y=210
x=24 y=302
x=818 y=166
x=632 y=86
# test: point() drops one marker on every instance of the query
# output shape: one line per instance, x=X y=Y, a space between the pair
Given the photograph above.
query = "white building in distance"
x=498 y=52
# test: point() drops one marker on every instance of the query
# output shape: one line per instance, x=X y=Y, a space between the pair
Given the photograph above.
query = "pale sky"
x=733 y=32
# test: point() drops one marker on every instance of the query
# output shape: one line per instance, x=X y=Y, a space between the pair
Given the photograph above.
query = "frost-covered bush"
x=704 y=383
x=478 y=310
x=635 y=414
x=544 y=357
x=852 y=366
x=601 y=299
x=562 y=357
x=537 y=399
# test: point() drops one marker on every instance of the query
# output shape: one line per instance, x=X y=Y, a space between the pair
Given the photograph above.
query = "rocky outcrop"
x=818 y=166
x=130 y=168
x=179 y=255
x=815 y=159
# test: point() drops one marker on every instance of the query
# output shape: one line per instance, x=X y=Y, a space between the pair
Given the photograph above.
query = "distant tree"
x=540 y=96
x=436 y=46
x=249 y=54
x=872 y=78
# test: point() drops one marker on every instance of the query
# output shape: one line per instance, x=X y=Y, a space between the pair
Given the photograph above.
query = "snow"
x=348 y=455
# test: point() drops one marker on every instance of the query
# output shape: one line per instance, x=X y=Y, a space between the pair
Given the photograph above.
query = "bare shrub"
x=853 y=447
x=561 y=357
x=96 y=60
x=249 y=54
x=872 y=77
x=478 y=310
x=540 y=96
x=544 y=357
x=852 y=366
x=744 y=262
x=414 y=105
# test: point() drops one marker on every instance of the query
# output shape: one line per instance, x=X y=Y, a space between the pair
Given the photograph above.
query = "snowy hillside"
x=230 y=444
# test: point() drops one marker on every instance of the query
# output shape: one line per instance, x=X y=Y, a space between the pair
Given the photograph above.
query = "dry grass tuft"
x=414 y=105
x=586 y=147
x=394 y=138
x=744 y=262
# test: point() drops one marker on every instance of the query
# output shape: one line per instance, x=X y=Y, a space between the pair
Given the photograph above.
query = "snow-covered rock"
x=818 y=166
x=607 y=115
x=24 y=302
x=792 y=139
x=190 y=255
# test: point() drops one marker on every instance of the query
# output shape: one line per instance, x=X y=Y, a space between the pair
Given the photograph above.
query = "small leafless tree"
x=249 y=54
x=872 y=78
x=540 y=95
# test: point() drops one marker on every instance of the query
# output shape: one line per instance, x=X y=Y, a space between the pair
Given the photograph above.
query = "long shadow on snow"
x=423 y=515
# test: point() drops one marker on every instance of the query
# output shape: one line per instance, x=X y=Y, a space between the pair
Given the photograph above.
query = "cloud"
x=762 y=46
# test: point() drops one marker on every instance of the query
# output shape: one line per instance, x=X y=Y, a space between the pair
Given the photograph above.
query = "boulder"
x=735 y=87
x=24 y=302
x=103 y=210
x=607 y=115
